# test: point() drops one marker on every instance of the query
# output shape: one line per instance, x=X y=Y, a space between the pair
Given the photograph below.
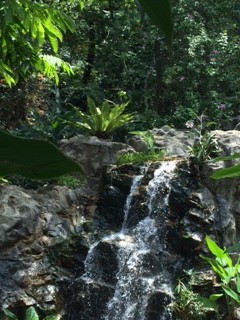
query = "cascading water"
x=142 y=261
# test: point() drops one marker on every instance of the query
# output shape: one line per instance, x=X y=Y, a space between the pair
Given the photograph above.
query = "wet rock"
x=102 y=263
x=157 y=306
x=109 y=213
x=85 y=301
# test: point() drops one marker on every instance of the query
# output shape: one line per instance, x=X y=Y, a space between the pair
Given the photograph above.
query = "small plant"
x=69 y=181
x=227 y=272
x=102 y=121
x=190 y=305
x=148 y=137
x=139 y=157
x=31 y=314
x=205 y=146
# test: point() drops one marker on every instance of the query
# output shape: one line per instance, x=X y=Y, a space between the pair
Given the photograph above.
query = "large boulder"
x=93 y=155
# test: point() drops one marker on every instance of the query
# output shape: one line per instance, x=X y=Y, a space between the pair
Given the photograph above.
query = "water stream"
x=143 y=272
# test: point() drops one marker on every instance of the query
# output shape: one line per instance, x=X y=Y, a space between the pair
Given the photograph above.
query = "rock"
x=138 y=144
x=93 y=155
x=45 y=234
x=19 y=215
x=36 y=227
x=157 y=306
x=85 y=301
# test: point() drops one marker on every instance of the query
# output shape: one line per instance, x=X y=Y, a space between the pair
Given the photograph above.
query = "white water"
x=142 y=269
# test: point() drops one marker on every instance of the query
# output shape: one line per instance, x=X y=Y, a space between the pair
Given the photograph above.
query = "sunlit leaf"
x=214 y=248
x=31 y=314
x=215 y=296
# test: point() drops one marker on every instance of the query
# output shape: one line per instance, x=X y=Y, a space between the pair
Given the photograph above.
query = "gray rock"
x=93 y=155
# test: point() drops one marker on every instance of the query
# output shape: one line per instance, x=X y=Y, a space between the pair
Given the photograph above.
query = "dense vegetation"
x=116 y=53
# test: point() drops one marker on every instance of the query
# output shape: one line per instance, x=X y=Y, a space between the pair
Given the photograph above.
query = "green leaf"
x=52 y=29
x=54 y=42
x=238 y=282
x=9 y=315
x=231 y=293
x=234 y=248
x=216 y=267
x=208 y=304
x=159 y=12
x=215 y=296
x=31 y=314
x=232 y=157
x=32 y=158
x=214 y=248
x=230 y=172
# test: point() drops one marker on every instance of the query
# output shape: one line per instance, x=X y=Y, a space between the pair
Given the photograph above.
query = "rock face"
x=33 y=228
x=93 y=154
x=67 y=250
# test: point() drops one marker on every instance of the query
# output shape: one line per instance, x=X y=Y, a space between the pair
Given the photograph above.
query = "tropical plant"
x=44 y=161
x=31 y=314
x=227 y=272
x=101 y=121
x=204 y=148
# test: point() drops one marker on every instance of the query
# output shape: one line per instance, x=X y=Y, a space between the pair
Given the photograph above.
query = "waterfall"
x=135 y=184
x=143 y=263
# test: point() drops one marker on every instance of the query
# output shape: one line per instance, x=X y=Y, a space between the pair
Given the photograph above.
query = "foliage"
x=44 y=161
x=190 y=305
x=102 y=121
x=148 y=137
x=26 y=27
x=31 y=314
x=227 y=272
x=201 y=75
x=69 y=181
x=140 y=157
x=230 y=172
x=204 y=148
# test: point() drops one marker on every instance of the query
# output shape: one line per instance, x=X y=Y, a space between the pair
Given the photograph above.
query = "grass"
x=140 y=157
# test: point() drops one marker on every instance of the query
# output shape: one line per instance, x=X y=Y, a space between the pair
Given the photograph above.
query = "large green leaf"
x=230 y=172
x=32 y=158
x=159 y=12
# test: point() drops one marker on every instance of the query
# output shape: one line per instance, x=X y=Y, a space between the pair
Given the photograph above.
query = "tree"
x=24 y=30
